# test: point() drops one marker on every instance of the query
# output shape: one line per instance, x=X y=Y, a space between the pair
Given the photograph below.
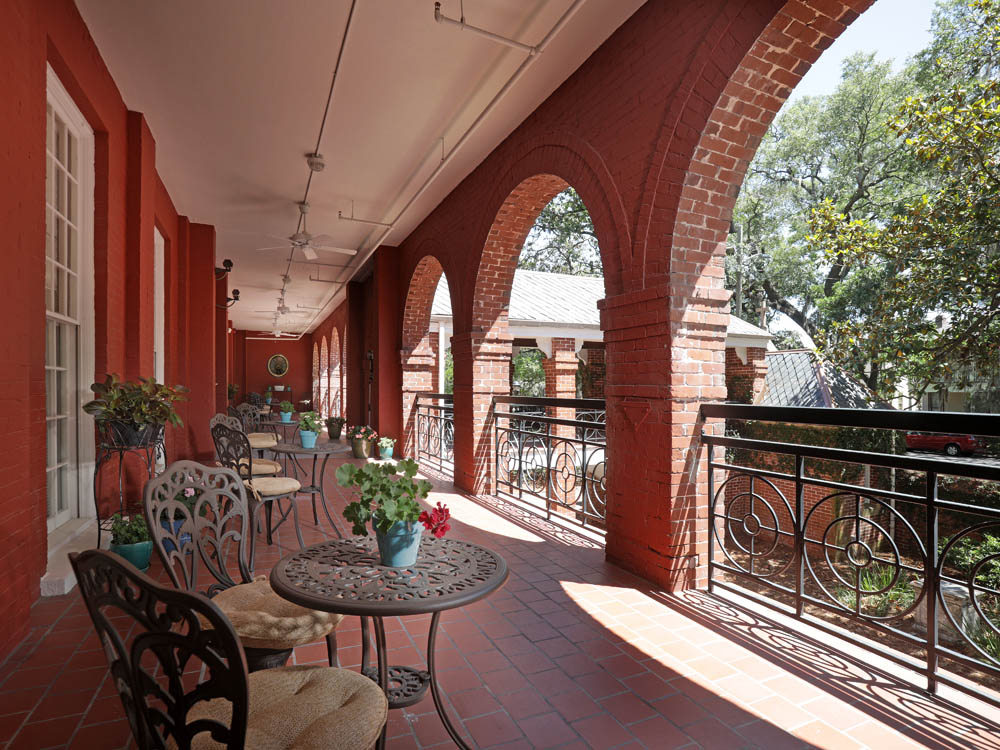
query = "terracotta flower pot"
x=361 y=448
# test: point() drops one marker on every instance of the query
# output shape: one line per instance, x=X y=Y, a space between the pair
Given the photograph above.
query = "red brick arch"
x=315 y=377
x=324 y=378
x=690 y=280
x=335 y=377
x=417 y=354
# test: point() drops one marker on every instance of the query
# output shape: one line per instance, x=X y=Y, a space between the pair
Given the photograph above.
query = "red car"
x=953 y=445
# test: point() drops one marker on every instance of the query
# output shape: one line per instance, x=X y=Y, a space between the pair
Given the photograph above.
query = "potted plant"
x=232 y=389
x=188 y=497
x=389 y=502
x=130 y=539
x=309 y=427
x=361 y=437
x=286 y=411
x=133 y=414
x=268 y=396
x=385 y=446
x=334 y=425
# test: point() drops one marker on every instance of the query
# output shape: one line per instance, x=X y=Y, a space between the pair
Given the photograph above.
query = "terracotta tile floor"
x=572 y=653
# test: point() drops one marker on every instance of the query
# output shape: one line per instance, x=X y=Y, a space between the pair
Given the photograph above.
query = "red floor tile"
x=573 y=653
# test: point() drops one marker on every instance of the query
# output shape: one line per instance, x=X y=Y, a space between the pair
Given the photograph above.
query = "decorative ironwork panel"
x=555 y=462
x=436 y=431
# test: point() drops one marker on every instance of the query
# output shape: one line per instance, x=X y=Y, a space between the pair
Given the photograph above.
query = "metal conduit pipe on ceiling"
x=364 y=255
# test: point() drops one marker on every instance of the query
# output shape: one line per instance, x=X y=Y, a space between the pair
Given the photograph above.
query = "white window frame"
x=83 y=475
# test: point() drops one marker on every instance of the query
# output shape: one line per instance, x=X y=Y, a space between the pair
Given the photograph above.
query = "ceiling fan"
x=310 y=243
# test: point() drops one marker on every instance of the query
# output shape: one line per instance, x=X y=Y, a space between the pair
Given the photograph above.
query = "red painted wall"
x=129 y=201
x=252 y=355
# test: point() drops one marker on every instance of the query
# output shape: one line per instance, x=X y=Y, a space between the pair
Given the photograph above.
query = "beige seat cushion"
x=262 y=440
x=262 y=467
x=269 y=486
x=304 y=708
x=262 y=619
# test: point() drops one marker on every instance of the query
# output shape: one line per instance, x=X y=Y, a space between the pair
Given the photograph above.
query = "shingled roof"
x=801 y=377
x=560 y=299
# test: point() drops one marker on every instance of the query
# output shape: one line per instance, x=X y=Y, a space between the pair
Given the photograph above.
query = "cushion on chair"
x=261 y=466
x=270 y=486
x=262 y=619
x=261 y=440
x=304 y=707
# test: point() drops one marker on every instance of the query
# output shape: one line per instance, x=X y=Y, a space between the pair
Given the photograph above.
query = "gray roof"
x=561 y=299
x=802 y=378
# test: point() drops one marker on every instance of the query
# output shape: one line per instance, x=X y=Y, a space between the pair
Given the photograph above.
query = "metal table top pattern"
x=321 y=447
x=344 y=576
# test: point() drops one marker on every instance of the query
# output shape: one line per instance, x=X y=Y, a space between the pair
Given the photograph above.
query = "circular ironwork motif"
x=980 y=624
x=344 y=575
x=758 y=538
x=865 y=568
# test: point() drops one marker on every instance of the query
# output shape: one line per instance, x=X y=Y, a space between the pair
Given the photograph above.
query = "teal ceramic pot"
x=385 y=453
x=308 y=438
x=138 y=554
x=399 y=547
x=286 y=416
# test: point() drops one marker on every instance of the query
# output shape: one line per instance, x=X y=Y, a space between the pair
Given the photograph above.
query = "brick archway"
x=324 y=378
x=315 y=377
x=335 y=378
x=417 y=355
x=684 y=291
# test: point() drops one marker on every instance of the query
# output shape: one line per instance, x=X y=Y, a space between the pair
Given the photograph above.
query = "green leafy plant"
x=384 y=496
x=361 y=432
x=232 y=389
x=309 y=422
x=138 y=404
x=129 y=531
x=335 y=421
x=286 y=407
x=873 y=579
x=386 y=443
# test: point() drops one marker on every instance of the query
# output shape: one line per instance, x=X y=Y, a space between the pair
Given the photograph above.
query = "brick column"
x=486 y=358
x=560 y=382
x=746 y=370
x=593 y=384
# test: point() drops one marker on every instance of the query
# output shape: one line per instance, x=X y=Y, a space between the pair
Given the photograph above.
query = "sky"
x=893 y=29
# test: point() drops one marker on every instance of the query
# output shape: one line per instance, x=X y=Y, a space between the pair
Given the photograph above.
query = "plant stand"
x=147 y=453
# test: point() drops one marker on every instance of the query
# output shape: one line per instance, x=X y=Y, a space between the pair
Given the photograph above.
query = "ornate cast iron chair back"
x=178 y=632
x=232 y=446
x=250 y=416
x=213 y=532
x=256 y=399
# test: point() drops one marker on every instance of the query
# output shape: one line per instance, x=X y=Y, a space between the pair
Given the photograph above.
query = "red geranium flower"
x=436 y=521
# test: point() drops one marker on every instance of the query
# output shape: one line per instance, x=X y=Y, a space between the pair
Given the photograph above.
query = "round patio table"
x=274 y=424
x=344 y=576
x=324 y=449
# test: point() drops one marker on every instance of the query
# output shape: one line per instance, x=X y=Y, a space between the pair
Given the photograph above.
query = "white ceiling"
x=234 y=92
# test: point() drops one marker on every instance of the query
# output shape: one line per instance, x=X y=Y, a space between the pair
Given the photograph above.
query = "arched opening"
x=334 y=384
x=315 y=378
x=421 y=349
x=324 y=378
x=530 y=443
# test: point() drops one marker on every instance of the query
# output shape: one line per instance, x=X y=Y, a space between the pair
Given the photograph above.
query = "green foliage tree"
x=529 y=377
x=838 y=149
x=937 y=317
x=563 y=239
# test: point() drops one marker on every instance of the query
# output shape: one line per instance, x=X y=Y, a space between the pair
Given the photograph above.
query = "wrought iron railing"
x=551 y=452
x=435 y=440
x=896 y=553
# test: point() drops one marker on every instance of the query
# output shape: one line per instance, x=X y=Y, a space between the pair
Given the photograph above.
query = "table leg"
x=383 y=671
x=322 y=498
x=435 y=690
x=312 y=495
